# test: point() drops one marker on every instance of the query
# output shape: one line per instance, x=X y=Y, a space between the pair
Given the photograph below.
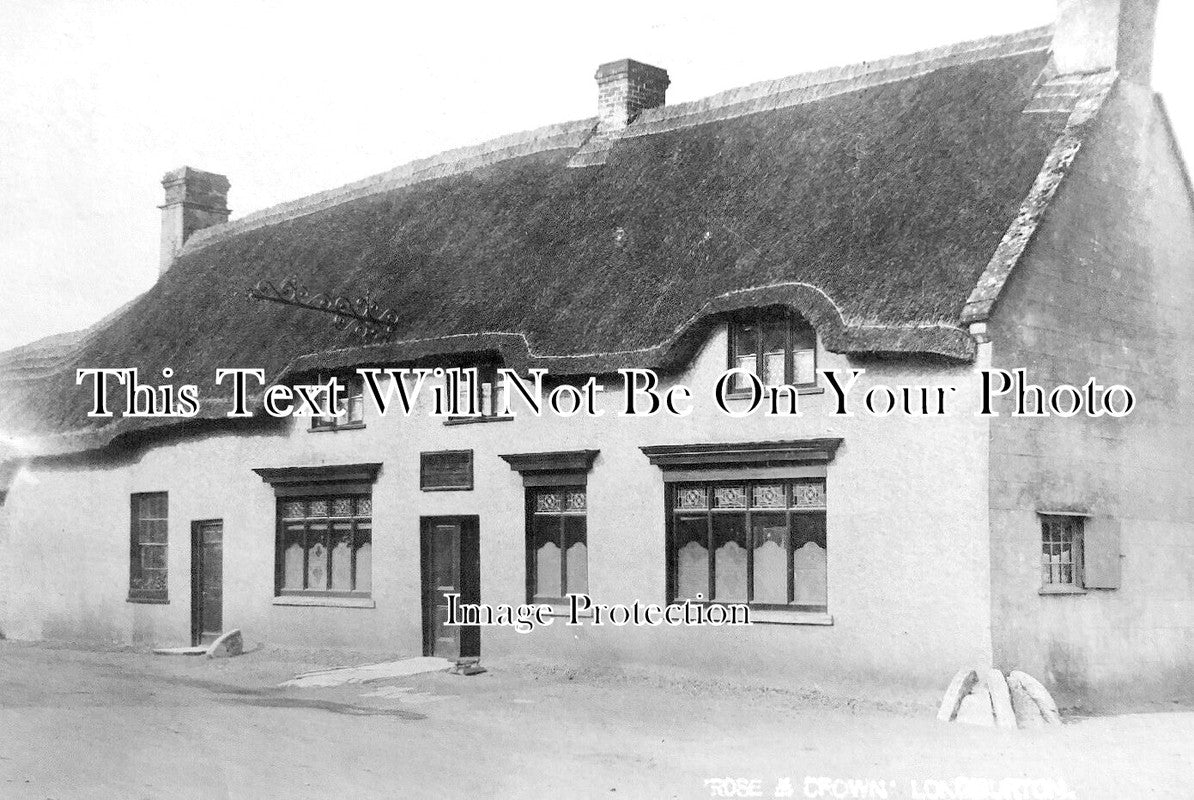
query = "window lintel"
x=314 y=477
x=534 y=467
x=743 y=454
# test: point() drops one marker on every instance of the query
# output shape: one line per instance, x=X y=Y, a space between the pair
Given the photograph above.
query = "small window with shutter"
x=1078 y=552
x=1100 y=553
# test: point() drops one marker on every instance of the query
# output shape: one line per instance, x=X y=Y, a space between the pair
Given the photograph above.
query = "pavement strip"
x=369 y=672
x=407 y=694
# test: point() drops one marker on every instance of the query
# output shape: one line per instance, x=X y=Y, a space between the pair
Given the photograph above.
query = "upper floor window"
x=350 y=405
x=480 y=393
x=147 y=548
x=777 y=346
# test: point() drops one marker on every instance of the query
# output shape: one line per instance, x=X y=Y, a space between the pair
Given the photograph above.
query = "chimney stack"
x=1097 y=35
x=194 y=199
x=624 y=89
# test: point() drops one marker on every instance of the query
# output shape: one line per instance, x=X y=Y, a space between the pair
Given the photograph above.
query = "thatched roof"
x=869 y=198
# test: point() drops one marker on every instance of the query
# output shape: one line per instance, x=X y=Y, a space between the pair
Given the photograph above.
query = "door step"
x=180 y=651
x=368 y=672
x=225 y=645
x=467 y=666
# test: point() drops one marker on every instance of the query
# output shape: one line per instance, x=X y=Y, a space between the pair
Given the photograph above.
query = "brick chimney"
x=194 y=199
x=624 y=89
x=1096 y=35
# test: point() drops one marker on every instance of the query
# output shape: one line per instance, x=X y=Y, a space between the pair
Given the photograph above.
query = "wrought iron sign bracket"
x=360 y=315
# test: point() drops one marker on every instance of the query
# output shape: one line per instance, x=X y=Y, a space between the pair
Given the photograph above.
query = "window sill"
x=478 y=420
x=768 y=616
x=351 y=426
x=1061 y=590
x=331 y=602
x=149 y=601
x=561 y=609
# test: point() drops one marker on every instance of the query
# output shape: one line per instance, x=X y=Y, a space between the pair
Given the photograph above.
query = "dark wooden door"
x=207 y=580
x=451 y=565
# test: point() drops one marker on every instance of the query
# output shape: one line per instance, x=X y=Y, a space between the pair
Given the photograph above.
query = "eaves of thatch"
x=887 y=202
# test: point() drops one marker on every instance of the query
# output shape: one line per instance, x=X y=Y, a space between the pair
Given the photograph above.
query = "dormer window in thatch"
x=776 y=345
x=350 y=405
x=481 y=394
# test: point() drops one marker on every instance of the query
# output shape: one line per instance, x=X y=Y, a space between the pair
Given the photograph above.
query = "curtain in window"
x=325 y=544
x=761 y=542
x=148 y=569
x=558 y=548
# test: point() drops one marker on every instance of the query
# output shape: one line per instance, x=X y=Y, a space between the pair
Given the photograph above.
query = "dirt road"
x=126 y=725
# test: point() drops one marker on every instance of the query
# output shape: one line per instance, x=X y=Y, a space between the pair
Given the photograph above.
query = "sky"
x=99 y=99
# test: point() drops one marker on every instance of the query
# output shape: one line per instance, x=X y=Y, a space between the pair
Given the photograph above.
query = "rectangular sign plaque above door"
x=446 y=471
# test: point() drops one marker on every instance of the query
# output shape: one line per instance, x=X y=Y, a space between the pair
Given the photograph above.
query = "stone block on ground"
x=467 y=666
x=976 y=708
x=1037 y=691
x=1028 y=713
x=1001 y=699
x=228 y=645
x=179 y=651
x=367 y=673
x=959 y=687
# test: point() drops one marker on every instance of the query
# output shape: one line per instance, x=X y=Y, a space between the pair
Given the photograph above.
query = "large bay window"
x=746 y=523
x=759 y=542
x=324 y=531
x=325 y=544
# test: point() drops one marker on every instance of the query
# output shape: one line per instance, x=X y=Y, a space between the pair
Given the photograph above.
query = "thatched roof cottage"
x=1015 y=202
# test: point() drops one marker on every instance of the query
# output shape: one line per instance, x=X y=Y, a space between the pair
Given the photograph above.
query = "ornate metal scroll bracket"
x=359 y=315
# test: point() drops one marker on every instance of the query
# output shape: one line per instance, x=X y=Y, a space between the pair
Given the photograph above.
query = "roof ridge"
x=560 y=135
x=54 y=350
x=751 y=98
x=871 y=284
x=818 y=84
x=1095 y=89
